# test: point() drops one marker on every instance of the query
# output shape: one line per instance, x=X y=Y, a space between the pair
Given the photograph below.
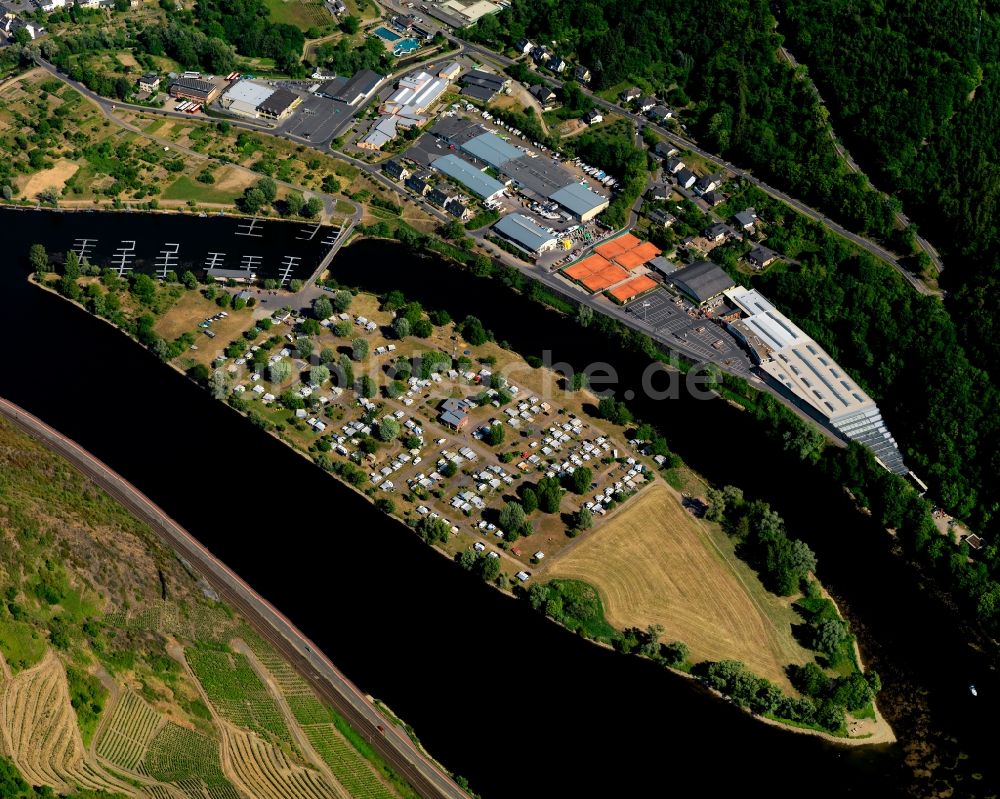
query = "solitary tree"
x=388 y=429
x=304 y=348
x=322 y=308
x=359 y=349
x=401 y=327
x=268 y=189
x=529 y=500
x=279 y=371
x=581 y=479
x=38 y=258
x=495 y=436
x=72 y=268
x=217 y=384
x=342 y=300
x=318 y=375
x=512 y=517
x=327 y=355
x=189 y=280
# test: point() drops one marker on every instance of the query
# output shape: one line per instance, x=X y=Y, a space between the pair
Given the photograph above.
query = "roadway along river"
x=495 y=692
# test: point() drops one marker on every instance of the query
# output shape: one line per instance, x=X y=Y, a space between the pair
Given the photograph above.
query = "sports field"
x=654 y=563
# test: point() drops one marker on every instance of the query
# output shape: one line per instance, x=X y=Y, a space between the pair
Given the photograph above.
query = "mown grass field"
x=653 y=563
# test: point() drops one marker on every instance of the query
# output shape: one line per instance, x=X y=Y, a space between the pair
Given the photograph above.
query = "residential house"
x=541 y=54
x=150 y=82
x=581 y=73
x=759 y=257
x=659 y=191
x=337 y=7
x=660 y=217
x=394 y=169
x=659 y=113
x=416 y=184
x=746 y=219
x=49 y=6
x=524 y=46
x=686 y=178
x=713 y=198
x=544 y=95
x=450 y=71
x=665 y=149
x=718 y=232
x=440 y=197
x=644 y=104
x=708 y=183
x=458 y=209
x=557 y=64
x=630 y=94
x=592 y=117
x=674 y=165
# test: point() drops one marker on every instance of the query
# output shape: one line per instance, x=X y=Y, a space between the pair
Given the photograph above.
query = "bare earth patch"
x=653 y=563
x=49 y=179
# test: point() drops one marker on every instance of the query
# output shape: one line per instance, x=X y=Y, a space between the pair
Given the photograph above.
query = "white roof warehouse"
x=580 y=201
x=801 y=367
x=523 y=232
x=244 y=97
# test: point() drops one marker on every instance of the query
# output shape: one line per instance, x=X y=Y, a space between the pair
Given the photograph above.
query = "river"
x=497 y=693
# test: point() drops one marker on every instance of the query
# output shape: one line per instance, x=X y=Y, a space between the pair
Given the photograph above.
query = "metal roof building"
x=280 y=104
x=580 y=201
x=794 y=361
x=244 y=97
x=491 y=149
x=702 y=281
x=483 y=186
x=525 y=233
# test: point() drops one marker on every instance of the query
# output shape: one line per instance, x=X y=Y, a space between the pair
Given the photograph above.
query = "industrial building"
x=415 y=94
x=580 y=201
x=201 y=91
x=523 y=232
x=491 y=149
x=483 y=85
x=279 y=105
x=795 y=363
x=480 y=184
x=244 y=97
x=353 y=91
x=702 y=281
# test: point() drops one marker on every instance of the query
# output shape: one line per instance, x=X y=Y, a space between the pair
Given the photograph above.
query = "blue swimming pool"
x=388 y=35
x=405 y=47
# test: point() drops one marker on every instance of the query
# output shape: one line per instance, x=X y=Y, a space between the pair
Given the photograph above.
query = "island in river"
x=521 y=475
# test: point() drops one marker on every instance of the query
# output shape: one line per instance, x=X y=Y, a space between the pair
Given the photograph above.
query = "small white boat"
x=973 y=691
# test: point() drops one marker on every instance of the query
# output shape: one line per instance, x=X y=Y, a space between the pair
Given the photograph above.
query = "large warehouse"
x=480 y=184
x=244 y=97
x=702 y=282
x=491 y=149
x=580 y=201
x=800 y=367
x=527 y=235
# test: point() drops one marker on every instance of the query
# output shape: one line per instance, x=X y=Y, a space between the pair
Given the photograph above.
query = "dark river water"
x=498 y=694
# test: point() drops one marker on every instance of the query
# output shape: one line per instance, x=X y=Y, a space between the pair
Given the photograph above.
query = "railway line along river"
x=495 y=692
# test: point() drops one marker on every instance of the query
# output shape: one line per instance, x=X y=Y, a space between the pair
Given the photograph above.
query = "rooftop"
x=525 y=232
x=578 y=199
x=279 y=102
x=702 y=280
x=253 y=94
x=474 y=180
x=491 y=149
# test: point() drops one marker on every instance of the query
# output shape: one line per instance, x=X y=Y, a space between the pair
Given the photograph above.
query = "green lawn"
x=303 y=14
x=184 y=188
x=21 y=644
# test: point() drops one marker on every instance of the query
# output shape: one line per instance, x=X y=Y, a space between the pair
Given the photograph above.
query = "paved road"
x=392 y=744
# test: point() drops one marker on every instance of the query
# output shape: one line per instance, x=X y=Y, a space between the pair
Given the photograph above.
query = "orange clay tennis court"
x=596 y=273
x=633 y=288
x=617 y=246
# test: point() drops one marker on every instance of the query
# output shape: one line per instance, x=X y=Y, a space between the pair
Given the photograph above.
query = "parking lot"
x=670 y=318
x=318 y=119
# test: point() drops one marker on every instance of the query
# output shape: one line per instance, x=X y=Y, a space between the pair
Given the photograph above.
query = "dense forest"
x=246 y=24
x=717 y=61
x=914 y=87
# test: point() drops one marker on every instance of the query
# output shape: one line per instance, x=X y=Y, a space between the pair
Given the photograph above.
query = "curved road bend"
x=392 y=745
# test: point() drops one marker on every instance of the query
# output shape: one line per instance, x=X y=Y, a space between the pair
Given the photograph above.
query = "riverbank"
x=448 y=550
x=394 y=746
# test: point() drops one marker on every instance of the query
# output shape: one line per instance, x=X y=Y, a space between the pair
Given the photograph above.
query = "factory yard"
x=653 y=562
